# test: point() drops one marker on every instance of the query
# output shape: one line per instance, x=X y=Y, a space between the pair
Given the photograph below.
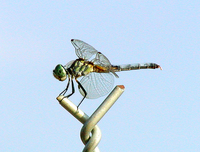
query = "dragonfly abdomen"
x=101 y=69
x=137 y=66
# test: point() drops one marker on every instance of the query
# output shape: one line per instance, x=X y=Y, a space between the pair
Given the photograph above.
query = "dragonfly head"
x=60 y=73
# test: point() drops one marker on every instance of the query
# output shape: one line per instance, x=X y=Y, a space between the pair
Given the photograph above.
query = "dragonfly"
x=95 y=69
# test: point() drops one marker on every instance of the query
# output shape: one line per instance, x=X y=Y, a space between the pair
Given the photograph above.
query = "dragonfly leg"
x=73 y=90
x=64 y=91
x=79 y=84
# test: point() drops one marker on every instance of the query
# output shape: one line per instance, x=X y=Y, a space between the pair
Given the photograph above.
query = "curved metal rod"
x=96 y=117
x=90 y=126
x=81 y=116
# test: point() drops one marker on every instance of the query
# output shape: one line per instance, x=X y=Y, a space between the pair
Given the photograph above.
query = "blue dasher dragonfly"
x=97 y=71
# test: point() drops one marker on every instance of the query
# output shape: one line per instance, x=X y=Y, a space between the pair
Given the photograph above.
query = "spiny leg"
x=79 y=84
x=64 y=91
x=73 y=90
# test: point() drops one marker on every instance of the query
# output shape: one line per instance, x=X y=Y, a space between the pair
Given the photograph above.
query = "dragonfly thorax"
x=80 y=67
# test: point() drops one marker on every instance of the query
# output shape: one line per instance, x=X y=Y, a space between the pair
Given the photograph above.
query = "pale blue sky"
x=159 y=110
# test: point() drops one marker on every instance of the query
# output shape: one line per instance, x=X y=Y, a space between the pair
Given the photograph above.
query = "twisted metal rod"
x=80 y=116
x=96 y=117
x=90 y=126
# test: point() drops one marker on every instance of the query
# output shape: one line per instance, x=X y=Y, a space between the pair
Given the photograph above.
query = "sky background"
x=159 y=110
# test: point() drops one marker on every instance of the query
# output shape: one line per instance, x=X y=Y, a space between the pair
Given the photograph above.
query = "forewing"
x=83 y=50
x=97 y=84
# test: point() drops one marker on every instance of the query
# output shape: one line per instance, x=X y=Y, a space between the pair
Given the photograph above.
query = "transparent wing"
x=103 y=61
x=86 y=51
x=83 y=50
x=97 y=84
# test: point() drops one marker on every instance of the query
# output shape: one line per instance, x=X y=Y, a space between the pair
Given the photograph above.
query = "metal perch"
x=90 y=126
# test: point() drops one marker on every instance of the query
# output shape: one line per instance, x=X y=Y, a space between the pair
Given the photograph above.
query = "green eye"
x=59 y=72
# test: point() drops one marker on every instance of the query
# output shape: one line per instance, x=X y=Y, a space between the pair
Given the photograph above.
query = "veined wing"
x=103 y=61
x=97 y=84
x=86 y=51
x=83 y=50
